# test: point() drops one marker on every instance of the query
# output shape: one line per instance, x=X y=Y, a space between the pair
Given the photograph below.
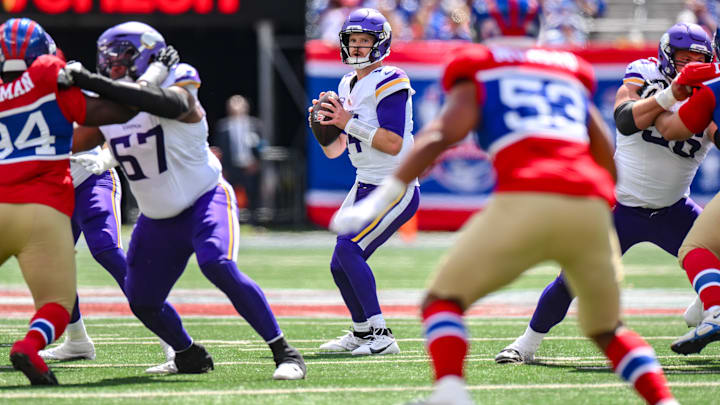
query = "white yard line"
x=322 y=390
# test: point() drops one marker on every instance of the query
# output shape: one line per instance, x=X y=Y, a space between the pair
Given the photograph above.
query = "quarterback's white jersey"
x=654 y=172
x=168 y=163
x=78 y=173
x=372 y=165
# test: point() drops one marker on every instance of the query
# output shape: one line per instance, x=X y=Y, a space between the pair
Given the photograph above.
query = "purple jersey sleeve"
x=391 y=112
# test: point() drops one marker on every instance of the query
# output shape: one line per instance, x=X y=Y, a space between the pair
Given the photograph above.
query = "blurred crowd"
x=702 y=12
x=565 y=20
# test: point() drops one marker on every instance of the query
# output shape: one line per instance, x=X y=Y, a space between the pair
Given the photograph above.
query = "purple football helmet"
x=691 y=37
x=367 y=21
x=132 y=44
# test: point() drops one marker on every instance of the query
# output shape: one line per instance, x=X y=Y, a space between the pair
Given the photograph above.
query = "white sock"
x=76 y=331
x=361 y=326
x=531 y=339
x=377 y=322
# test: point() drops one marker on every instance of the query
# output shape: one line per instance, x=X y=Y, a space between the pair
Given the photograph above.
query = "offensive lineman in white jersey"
x=654 y=175
x=186 y=206
x=375 y=112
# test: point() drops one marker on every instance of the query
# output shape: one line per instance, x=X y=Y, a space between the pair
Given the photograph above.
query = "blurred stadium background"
x=280 y=54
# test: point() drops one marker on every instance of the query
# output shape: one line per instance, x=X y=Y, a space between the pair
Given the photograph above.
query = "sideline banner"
x=460 y=183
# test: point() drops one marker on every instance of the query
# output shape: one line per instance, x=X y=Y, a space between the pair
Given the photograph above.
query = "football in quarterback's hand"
x=325 y=134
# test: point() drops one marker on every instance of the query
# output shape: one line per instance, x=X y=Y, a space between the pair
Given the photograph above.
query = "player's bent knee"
x=144 y=311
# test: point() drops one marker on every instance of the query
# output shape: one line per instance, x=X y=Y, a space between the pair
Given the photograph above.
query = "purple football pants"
x=348 y=265
x=158 y=254
x=665 y=227
x=97 y=217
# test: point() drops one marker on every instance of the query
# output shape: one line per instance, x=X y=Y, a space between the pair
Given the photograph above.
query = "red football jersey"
x=36 y=127
x=534 y=107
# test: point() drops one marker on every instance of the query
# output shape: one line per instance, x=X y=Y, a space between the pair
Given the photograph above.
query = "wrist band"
x=666 y=99
x=361 y=130
x=155 y=74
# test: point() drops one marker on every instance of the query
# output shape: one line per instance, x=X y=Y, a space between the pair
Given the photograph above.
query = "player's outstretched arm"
x=174 y=102
x=601 y=147
x=103 y=112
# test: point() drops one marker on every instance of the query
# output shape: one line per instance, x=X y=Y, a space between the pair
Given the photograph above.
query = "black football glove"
x=168 y=56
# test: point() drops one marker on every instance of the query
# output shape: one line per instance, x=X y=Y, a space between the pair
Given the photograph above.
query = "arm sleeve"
x=391 y=112
x=696 y=114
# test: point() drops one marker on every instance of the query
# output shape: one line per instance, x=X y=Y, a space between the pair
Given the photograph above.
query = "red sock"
x=46 y=325
x=634 y=361
x=446 y=337
x=703 y=271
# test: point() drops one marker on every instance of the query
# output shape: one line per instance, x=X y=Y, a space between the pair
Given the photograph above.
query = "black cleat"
x=194 y=360
x=21 y=362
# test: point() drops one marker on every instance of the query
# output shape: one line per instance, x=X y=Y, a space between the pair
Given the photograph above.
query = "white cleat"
x=515 y=353
x=381 y=341
x=449 y=390
x=345 y=343
x=70 y=350
x=289 y=371
x=166 y=368
x=694 y=314
x=167 y=350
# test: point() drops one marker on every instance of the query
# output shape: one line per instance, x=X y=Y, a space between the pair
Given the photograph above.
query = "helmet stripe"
x=3 y=43
x=514 y=11
x=496 y=15
x=14 y=38
x=28 y=36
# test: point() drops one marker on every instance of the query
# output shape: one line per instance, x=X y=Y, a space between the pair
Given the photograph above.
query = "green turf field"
x=570 y=369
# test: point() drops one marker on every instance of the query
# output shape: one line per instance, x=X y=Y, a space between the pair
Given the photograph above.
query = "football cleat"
x=24 y=358
x=449 y=390
x=516 y=352
x=193 y=360
x=289 y=371
x=706 y=332
x=165 y=368
x=290 y=365
x=381 y=341
x=348 y=342
x=694 y=313
x=70 y=350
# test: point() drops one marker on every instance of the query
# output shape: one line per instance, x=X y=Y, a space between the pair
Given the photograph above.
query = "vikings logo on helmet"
x=691 y=37
x=367 y=21
x=22 y=40
x=132 y=44
x=493 y=18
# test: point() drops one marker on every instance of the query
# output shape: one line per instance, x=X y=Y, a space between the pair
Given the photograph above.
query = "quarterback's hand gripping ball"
x=325 y=134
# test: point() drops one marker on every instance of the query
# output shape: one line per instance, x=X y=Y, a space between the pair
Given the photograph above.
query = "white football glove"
x=353 y=219
x=96 y=164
